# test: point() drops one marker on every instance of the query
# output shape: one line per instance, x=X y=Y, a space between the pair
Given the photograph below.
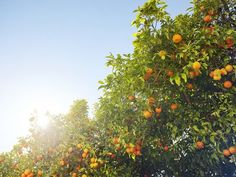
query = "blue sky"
x=53 y=52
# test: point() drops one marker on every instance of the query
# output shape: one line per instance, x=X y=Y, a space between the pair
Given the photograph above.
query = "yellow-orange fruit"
x=177 y=38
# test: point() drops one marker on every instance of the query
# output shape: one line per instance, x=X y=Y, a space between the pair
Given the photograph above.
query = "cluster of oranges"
x=132 y=149
x=94 y=163
x=151 y=102
x=148 y=74
x=29 y=173
x=230 y=151
x=218 y=73
x=85 y=153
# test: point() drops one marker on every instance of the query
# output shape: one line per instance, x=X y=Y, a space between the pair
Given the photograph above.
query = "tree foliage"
x=168 y=109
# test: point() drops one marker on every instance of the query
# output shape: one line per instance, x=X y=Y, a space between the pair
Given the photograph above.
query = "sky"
x=53 y=52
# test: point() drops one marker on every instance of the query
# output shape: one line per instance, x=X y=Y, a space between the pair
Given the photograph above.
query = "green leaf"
x=184 y=76
x=177 y=80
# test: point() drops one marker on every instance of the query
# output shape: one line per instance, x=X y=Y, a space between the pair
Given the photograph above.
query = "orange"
x=228 y=84
x=149 y=71
x=207 y=19
x=216 y=78
x=158 y=110
x=84 y=175
x=116 y=140
x=211 y=74
x=131 y=97
x=162 y=53
x=93 y=160
x=226 y=153
x=189 y=86
x=223 y=71
x=147 y=114
x=196 y=65
x=86 y=151
x=173 y=106
x=177 y=38
x=62 y=163
x=23 y=175
x=170 y=73
x=84 y=155
x=232 y=150
x=229 y=40
x=151 y=100
x=229 y=68
x=27 y=172
x=74 y=175
x=79 y=146
x=31 y=175
x=199 y=145
x=147 y=76
x=40 y=172
x=191 y=74
x=166 y=148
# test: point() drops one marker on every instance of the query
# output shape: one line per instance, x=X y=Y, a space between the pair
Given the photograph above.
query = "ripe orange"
x=62 y=162
x=149 y=71
x=191 y=74
x=151 y=100
x=229 y=68
x=199 y=145
x=84 y=155
x=79 y=146
x=211 y=74
x=229 y=40
x=23 y=175
x=30 y=175
x=196 y=65
x=232 y=149
x=131 y=97
x=177 y=38
x=223 y=71
x=147 y=114
x=207 y=19
x=27 y=172
x=74 y=175
x=86 y=151
x=173 y=106
x=189 y=86
x=116 y=140
x=84 y=175
x=226 y=153
x=216 y=78
x=228 y=84
x=147 y=76
x=162 y=53
x=40 y=172
x=170 y=73
x=166 y=148
x=158 y=110
x=92 y=160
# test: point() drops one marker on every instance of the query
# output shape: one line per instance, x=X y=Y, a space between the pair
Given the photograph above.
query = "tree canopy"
x=168 y=108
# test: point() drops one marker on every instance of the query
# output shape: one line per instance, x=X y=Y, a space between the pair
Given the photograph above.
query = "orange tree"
x=174 y=97
x=168 y=108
